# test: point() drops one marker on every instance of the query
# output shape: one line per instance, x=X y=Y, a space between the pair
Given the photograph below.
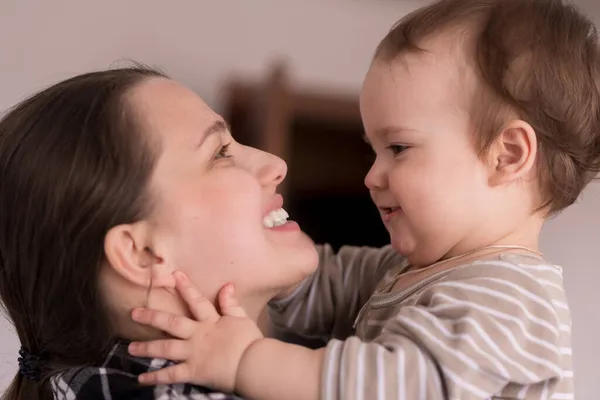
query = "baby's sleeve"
x=472 y=337
x=327 y=302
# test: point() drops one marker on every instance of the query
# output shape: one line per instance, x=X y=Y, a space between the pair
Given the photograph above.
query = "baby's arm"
x=326 y=303
x=468 y=337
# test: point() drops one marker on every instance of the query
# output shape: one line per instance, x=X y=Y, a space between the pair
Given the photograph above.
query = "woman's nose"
x=271 y=169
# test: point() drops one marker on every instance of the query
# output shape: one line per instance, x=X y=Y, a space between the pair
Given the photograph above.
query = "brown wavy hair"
x=73 y=164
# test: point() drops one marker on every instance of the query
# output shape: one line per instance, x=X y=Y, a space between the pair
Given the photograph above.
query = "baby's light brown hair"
x=537 y=60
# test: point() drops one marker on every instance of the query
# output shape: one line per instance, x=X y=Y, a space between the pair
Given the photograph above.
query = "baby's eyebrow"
x=388 y=130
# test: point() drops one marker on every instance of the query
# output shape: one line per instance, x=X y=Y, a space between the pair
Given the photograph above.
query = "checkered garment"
x=116 y=379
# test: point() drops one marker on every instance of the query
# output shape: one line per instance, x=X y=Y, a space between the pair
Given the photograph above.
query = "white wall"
x=200 y=43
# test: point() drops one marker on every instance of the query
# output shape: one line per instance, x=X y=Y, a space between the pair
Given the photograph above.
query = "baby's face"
x=427 y=179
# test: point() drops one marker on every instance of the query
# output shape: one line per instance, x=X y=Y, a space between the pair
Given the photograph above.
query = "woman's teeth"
x=275 y=218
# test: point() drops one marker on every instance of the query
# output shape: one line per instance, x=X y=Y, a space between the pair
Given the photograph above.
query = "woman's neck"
x=125 y=296
x=170 y=302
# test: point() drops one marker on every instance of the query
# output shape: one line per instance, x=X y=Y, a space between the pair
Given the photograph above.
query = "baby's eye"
x=397 y=148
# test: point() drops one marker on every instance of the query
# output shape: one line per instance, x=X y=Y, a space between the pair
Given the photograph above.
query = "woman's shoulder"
x=116 y=379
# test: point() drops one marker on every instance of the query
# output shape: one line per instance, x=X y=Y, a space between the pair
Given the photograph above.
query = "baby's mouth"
x=387 y=213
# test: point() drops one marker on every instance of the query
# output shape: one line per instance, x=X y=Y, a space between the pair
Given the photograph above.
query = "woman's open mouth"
x=275 y=218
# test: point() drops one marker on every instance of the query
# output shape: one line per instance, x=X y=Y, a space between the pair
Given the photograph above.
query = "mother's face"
x=212 y=196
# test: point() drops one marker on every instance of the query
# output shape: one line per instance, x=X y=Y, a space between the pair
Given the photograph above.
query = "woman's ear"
x=130 y=253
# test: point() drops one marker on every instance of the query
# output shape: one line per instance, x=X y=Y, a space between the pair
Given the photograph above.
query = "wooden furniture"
x=320 y=135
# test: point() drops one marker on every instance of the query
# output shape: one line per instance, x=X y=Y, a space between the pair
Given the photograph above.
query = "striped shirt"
x=493 y=328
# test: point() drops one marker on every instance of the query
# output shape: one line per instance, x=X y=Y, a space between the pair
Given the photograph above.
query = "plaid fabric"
x=116 y=379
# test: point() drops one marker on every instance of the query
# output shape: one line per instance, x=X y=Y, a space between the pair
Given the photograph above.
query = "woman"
x=110 y=181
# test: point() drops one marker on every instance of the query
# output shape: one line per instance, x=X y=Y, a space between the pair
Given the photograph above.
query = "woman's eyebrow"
x=219 y=126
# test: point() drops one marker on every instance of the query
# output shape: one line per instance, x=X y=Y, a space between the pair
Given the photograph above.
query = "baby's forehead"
x=439 y=70
x=424 y=91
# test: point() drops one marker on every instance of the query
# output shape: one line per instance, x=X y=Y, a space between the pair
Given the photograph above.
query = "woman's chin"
x=310 y=259
x=300 y=265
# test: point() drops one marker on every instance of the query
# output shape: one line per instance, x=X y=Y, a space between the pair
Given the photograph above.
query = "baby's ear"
x=129 y=252
x=513 y=153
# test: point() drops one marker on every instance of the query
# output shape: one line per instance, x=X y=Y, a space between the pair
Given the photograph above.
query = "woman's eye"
x=397 y=148
x=223 y=152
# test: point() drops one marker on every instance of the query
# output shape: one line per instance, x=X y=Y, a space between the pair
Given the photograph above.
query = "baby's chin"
x=403 y=244
x=415 y=254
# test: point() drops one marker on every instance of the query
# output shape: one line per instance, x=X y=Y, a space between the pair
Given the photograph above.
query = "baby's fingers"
x=229 y=304
x=201 y=308
x=175 y=325
x=170 y=349
x=179 y=373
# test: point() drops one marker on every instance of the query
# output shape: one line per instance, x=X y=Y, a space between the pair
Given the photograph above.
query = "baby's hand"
x=209 y=347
